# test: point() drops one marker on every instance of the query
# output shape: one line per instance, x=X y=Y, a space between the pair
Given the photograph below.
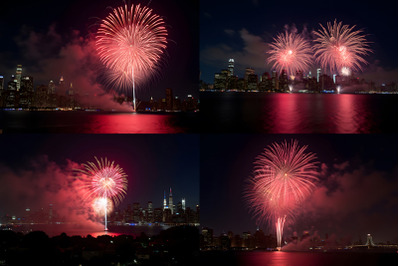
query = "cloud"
x=229 y=32
x=341 y=166
x=251 y=55
x=377 y=73
x=359 y=200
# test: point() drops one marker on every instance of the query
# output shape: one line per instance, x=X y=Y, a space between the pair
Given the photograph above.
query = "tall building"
x=52 y=87
x=275 y=81
x=183 y=204
x=249 y=71
x=150 y=216
x=221 y=79
x=252 y=82
x=165 y=202
x=27 y=83
x=319 y=72
x=231 y=65
x=170 y=203
x=61 y=86
x=1 y=83
x=12 y=84
x=70 y=91
x=18 y=75
x=136 y=212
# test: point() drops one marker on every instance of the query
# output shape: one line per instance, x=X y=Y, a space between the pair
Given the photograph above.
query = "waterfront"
x=95 y=122
x=281 y=113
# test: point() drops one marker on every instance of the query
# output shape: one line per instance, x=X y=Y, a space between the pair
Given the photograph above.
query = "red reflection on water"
x=347 y=114
x=286 y=116
x=277 y=258
x=131 y=123
x=317 y=113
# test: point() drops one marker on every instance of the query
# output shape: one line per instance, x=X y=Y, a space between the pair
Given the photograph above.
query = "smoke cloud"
x=361 y=200
x=41 y=182
x=73 y=57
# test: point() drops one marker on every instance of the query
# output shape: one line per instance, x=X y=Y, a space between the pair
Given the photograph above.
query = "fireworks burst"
x=290 y=52
x=284 y=175
x=104 y=184
x=339 y=47
x=130 y=43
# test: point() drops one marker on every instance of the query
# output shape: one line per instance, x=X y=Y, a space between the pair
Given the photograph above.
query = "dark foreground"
x=174 y=246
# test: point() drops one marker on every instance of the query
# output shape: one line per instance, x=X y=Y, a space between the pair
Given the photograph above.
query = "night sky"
x=356 y=195
x=49 y=38
x=35 y=167
x=242 y=29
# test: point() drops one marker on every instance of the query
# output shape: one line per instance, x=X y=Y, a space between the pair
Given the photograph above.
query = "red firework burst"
x=104 y=179
x=284 y=175
x=339 y=47
x=130 y=43
x=290 y=52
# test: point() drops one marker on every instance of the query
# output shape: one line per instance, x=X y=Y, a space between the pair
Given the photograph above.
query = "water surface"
x=299 y=113
x=95 y=122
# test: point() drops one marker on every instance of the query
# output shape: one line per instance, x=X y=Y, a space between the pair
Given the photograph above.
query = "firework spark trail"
x=130 y=43
x=284 y=176
x=104 y=183
x=290 y=52
x=339 y=47
x=279 y=225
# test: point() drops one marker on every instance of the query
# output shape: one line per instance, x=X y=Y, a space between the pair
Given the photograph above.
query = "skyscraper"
x=249 y=71
x=18 y=75
x=318 y=74
x=150 y=216
x=171 y=204
x=183 y=204
x=27 y=83
x=165 y=202
x=52 y=87
x=231 y=65
x=1 y=83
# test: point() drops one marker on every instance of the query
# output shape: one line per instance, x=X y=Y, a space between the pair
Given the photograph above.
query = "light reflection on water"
x=95 y=122
x=315 y=259
x=299 y=113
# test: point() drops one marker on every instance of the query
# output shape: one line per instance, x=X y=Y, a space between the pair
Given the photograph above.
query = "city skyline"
x=50 y=44
x=43 y=174
x=246 y=39
x=356 y=193
x=303 y=82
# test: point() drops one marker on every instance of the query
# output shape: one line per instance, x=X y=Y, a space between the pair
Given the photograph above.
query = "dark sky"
x=242 y=30
x=153 y=163
x=356 y=195
x=39 y=35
